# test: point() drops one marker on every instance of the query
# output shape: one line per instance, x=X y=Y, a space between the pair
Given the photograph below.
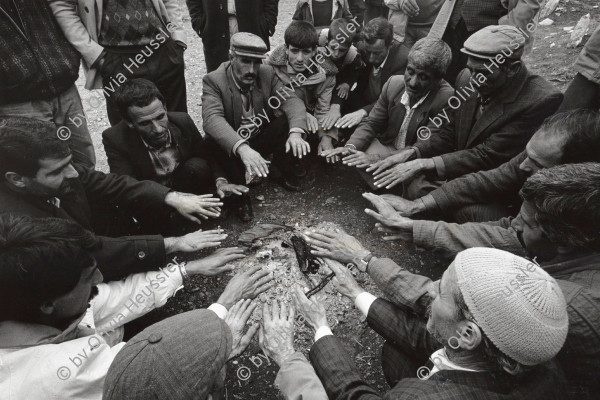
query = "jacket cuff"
x=440 y=167
x=430 y=202
x=422 y=232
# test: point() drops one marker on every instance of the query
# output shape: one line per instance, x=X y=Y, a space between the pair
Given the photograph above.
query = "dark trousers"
x=163 y=66
x=270 y=140
x=581 y=93
x=373 y=11
x=214 y=58
x=193 y=176
x=455 y=38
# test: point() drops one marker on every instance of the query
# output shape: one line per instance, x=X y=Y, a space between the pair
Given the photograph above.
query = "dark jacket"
x=499 y=185
x=394 y=65
x=463 y=145
x=117 y=257
x=127 y=154
x=304 y=11
x=342 y=381
x=37 y=60
x=222 y=104
x=386 y=117
x=211 y=21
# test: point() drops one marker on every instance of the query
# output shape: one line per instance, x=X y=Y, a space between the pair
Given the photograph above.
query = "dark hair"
x=566 y=199
x=136 y=93
x=301 y=34
x=40 y=259
x=581 y=131
x=378 y=28
x=26 y=141
x=339 y=26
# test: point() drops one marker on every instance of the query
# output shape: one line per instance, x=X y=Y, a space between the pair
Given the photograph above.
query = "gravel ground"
x=335 y=197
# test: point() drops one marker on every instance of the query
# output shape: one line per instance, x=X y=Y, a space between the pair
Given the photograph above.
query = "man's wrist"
x=171 y=198
x=225 y=301
x=170 y=245
x=426 y=164
x=351 y=145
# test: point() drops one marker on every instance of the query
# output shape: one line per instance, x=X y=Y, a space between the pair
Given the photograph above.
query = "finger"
x=318 y=238
x=283 y=312
x=294 y=150
x=264 y=167
x=245 y=340
x=220 y=193
x=261 y=337
x=263 y=288
x=393 y=237
x=288 y=147
x=306 y=148
x=377 y=216
x=275 y=310
x=266 y=314
x=258 y=273
x=263 y=281
x=394 y=183
x=291 y=313
x=248 y=310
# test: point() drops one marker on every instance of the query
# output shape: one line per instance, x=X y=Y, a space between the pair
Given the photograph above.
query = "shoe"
x=289 y=184
x=243 y=209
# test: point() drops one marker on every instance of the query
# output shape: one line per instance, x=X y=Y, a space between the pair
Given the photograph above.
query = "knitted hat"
x=519 y=307
x=178 y=358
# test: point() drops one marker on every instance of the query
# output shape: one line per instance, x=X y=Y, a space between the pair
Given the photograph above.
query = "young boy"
x=337 y=47
x=310 y=74
x=320 y=13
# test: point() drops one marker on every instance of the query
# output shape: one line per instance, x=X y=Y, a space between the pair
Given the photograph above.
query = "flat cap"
x=496 y=39
x=248 y=45
x=179 y=358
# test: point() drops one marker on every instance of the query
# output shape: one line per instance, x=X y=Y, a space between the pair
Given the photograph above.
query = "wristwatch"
x=364 y=262
x=183 y=271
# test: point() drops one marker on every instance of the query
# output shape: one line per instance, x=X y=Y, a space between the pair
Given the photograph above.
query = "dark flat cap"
x=496 y=39
x=178 y=358
x=248 y=45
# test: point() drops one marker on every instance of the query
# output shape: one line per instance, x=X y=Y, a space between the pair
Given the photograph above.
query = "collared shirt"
x=400 y=142
x=247 y=125
x=164 y=159
x=377 y=70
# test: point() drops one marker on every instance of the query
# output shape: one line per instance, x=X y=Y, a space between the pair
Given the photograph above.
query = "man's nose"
x=71 y=172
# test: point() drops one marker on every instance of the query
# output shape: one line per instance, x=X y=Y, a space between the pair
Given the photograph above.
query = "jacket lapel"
x=180 y=140
x=464 y=124
x=496 y=108
x=139 y=153
x=419 y=116
x=236 y=99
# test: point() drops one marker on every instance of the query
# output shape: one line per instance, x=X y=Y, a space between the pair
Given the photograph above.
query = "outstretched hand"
x=237 y=318
x=276 y=337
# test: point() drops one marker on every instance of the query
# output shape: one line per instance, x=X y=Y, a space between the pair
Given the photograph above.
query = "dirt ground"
x=335 y=196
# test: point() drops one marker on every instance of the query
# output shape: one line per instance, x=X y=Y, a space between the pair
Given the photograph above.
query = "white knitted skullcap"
x=519 y=307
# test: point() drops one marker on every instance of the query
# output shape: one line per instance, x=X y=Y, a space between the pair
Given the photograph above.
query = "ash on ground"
x=271 y=247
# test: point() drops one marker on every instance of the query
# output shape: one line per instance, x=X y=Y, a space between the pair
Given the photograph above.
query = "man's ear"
x=15 y=179
x=469 y=335
x=47 y=308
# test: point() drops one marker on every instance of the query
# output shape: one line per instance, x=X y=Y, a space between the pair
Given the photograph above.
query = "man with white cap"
x=494 y=319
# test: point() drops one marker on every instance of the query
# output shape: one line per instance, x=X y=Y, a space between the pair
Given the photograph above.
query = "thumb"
x=220 y=193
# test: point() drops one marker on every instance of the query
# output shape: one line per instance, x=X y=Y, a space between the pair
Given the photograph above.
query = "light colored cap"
x=248 y=45
x=496 y=39
x=517 y=304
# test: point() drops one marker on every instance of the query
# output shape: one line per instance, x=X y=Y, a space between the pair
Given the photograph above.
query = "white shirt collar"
x=406 y=101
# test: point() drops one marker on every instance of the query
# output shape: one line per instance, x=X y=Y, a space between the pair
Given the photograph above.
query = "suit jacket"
x=117 y=257
x=210 y=20
x=460 y=145
x=340 y=9
x=128 y=155
x=222 y=104
x=394 y=65
x=386 y=117
x=80 y=21
x=577 y=277
x=501 y=184
x=342 y=381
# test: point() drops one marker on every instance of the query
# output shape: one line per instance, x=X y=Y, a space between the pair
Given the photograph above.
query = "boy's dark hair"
x=136 y=93
x=378 y=28
x=339 y=26
x=26 y=141
x=301 y=34
x=41 y=259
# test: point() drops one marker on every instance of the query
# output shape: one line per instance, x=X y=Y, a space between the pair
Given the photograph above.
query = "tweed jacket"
x=386 y=117
x=588 y=62
x=461 y=144
x=127 y=154
x=579 y=280
x=342 y=381
x=117 y=257
x=394 y=65
x=80 y=21
x=222 y=104
x=210 y=21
